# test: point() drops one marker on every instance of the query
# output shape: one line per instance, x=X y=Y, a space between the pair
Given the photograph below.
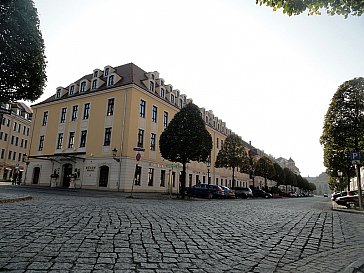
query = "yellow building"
x=14 y=141
x=87 y=134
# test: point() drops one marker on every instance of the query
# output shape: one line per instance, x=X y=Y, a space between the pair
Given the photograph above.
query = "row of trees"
x=186 y=139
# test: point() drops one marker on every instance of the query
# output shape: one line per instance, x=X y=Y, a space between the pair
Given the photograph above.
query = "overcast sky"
x=269 y=76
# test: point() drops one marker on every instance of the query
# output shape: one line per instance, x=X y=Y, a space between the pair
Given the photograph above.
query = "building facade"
x=102 y=132
x=14 y=141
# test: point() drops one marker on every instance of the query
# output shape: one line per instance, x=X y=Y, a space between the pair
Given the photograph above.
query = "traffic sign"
x=139 y=149
x=172 y=166
x=355 y=157
x=138 y=156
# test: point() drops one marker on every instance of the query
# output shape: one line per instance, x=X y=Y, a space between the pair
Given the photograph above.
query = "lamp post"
x=117 y=159
x=26 y=160
x=208 y=170
x=340 y=174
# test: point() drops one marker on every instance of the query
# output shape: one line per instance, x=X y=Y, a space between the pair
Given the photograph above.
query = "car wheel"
x=210 y=195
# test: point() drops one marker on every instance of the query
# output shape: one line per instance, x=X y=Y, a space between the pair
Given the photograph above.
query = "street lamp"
x=26 y=160
x=114 y=153
x=208 y=170
x=340 y=174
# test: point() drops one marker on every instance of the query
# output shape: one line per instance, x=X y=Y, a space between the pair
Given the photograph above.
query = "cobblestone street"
x=88 y=231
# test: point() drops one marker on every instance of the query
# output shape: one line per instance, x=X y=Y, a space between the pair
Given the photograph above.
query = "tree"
x=22 y=66
x=343 y=130
x=265 y=169
x=332 y=7
x=249 y=165
x=290 y=177
x=232 y=154
x=279 y=174
x=186 y=139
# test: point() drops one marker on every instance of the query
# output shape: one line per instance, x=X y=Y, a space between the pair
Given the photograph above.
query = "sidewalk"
x=345 y=209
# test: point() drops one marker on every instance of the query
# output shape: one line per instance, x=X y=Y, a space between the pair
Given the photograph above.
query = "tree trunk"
x=183 y=180
x=233 y=185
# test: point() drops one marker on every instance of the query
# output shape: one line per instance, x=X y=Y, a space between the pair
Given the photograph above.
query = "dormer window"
x=94 y=84
x=162 y=93
x=151 y=86
x=177 y=93
x=58 y=94
x=162 y=82
x=106 y=72
x=83 y=87
x=110 y=81
x=72 y=90
x=180 y=103
x=153 y=76
x=96 y=73
x=172 y=98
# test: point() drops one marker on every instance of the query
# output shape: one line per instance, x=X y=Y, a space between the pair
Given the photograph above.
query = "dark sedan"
x=206 y=190
x=261 y=193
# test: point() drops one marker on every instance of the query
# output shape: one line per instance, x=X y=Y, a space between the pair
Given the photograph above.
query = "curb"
x=355 y=267
x=15 y=199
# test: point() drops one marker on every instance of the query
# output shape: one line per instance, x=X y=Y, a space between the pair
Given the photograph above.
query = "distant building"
x=290 y=164
x=14 y=141
x=321 y=182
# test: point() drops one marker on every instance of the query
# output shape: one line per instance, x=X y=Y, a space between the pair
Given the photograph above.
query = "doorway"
x=104 y=176
x=36 y=173
x=67 y=170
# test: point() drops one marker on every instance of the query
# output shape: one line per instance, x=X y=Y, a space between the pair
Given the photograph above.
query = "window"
x=162 y=93
x=110 y=81
x=71 y=140
x=180 y=103
x=9 y=155
x=22 y=143
x=173 y=179
x=86 y=110
x=140 y=138
x=14 y=127
x=19 y=127
x=12 y=140
x=107 y=138
x=16 y=141
x=74 y=112
x=154 y=113
x=60 y=141
x=165 y=119
x=63 y=115
x=2 y=153
x=24 y=128
x=58 y=93
x=217 y=143
x=83 y=87
x=14 y=156
x=163 y=178
x=172 y=98
x=45 y=118
x=110 y=107
x=19 y=157
x=152 y=141
x=83 y=138
x=106 y=72
x=41 y=143
x=151 y=86
x=137 y=175
x=25 y=143
x=96 y=73
x=72 y=90
x=1 y=135
x=142 y=108
x=94 y=84
x=150 y=177
x=6 y=137
x=28 y=131
x=8 y=123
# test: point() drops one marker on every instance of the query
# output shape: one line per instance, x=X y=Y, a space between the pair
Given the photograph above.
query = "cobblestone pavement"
x=88 y=231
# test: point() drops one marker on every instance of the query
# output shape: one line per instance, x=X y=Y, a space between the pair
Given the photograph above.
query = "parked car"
x=336 y=195
x=261 y=193
x=326 y=195
x=206 y=190
x=229 y=193
x=243 y=192
x=349 y=200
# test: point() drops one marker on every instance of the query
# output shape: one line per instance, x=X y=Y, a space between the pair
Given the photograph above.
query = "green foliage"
x=343 y=130
x=186 y=139
x=265 y=169
x=278 y=174
x=290 y=177
x=232 y=154
x=332 y=7
x=22 y=66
